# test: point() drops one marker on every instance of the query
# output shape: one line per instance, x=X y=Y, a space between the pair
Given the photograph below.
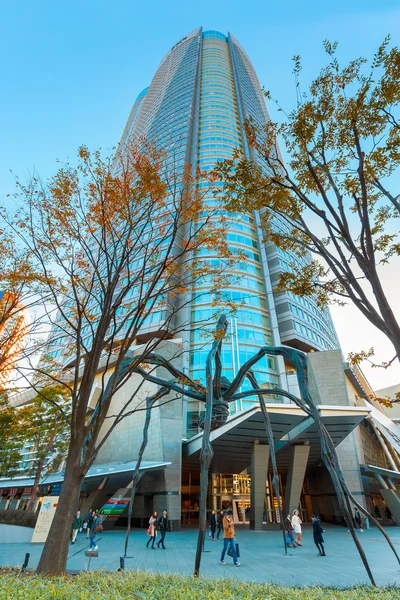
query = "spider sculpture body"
x=218 y=393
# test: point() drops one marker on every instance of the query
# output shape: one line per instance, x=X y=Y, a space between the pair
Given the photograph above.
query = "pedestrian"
x=296 y=523
x=388 y=514
x=151 y=530
x=89 y=522
x=163 y=524
x=229 y=538
x=357 y=519
x=317 y=533
x=95 y=528
x=220 y=523
x=76 y=525
x=289 y=533
x=213 y=524
x=377 y=512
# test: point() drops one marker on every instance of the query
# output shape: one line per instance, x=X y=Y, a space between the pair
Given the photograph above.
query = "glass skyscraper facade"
x=194 y=110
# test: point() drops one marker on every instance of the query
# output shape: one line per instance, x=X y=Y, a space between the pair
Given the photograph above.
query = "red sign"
x=27 y=490
x=12 y=491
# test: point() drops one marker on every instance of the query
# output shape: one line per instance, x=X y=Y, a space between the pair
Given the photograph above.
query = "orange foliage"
x=13 y=329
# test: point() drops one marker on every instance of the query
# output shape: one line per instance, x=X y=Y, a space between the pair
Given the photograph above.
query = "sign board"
x=45 y=519
x=116 y=505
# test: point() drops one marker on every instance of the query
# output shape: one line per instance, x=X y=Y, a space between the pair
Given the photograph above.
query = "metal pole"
x=25 y=563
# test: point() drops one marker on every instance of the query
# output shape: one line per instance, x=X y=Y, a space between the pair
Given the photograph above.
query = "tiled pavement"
x=262 y=556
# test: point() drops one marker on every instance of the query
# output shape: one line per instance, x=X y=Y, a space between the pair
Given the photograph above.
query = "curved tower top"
x=194 y=110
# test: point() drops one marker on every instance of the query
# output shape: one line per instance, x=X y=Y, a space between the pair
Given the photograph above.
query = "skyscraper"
x=194 y=110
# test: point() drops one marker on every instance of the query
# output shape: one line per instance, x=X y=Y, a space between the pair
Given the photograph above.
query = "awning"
x=100 y=470
x=373 y=470
x=233 y=442
x=388 y=428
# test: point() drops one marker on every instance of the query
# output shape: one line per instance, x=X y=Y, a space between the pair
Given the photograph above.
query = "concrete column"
x=295 y=478
x=259 y=471
x=172 y=503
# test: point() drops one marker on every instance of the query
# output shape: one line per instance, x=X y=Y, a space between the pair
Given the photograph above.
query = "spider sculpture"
x=217 y=394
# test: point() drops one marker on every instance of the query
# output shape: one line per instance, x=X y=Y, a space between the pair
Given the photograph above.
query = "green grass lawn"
x=149 y=586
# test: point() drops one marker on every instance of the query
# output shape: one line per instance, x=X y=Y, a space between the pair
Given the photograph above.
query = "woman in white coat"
x=152 y=529
x=296 y=524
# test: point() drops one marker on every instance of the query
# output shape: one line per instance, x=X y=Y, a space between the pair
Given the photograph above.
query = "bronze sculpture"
x=218 y=393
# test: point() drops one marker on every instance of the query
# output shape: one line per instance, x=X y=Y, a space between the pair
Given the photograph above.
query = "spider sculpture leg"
x=271 y=442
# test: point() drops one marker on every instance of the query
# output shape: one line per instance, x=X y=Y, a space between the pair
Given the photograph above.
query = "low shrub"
x=18 y=517
x=141 y=585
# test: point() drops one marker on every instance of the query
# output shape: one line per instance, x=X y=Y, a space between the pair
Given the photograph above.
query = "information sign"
x=45 y=519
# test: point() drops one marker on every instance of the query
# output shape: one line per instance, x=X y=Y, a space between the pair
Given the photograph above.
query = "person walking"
x=102 y=516
x=213 y=524
x=89 y=522
x=163 y=524
x=93 y=530
x=357 y=519
x=296 y=524
x=289 y=533
x=317 y=533
x=151 y=530
x=388 y=514
x=220 y=523
x=76 y=525
x=229 y=538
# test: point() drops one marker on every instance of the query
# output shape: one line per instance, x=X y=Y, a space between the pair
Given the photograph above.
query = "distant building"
x=390 y=392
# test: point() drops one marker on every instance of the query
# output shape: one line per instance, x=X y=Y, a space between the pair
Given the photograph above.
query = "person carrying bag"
x=230 y=553
x=229 y=539
x=152 y=530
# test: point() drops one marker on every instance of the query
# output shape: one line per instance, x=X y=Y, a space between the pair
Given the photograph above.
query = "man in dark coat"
x=220 y=523
x=317 y=533
x=93 y=530
x=89 y=522
x=163 y=524
x=388 y=513
x=213 y=524
x=76 y=525
x=357 y=519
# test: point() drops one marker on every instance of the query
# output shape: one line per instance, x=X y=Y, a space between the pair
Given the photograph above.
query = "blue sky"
x=70 y=72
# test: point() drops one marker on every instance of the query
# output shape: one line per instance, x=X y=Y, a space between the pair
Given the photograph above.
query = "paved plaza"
x=262 y=557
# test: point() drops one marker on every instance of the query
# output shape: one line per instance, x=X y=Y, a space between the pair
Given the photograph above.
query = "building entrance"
x=233 y=491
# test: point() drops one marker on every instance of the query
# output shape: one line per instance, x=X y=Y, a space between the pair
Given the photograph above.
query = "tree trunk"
x=35 y=487
x=55 y=552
